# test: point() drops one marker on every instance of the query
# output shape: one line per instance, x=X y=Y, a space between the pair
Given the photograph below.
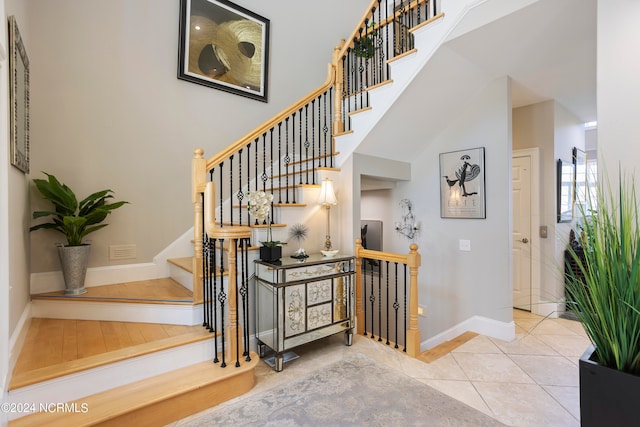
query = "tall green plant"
x=72 y=218
x=608 y=300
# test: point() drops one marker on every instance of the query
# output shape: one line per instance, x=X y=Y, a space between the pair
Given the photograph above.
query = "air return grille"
x=119 y=252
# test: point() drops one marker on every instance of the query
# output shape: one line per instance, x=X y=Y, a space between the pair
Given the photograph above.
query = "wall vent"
x=120 y=252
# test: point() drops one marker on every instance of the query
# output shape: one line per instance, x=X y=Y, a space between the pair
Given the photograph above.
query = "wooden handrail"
x=240 y=143
x=369 y=14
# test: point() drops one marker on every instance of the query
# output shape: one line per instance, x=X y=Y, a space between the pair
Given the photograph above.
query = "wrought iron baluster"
x=248 y=177
x=279 y=162
x=363 y=268
x=221 y=191
x=271 y=169
x=380 y=301
x=300 y=143
x=240 y=194
x=222 y=299
x=293 y=157
x=231 y=190
x=287 y=159
x=406 y=314
x=213 y=297
x=307 y=144
x=237 y=299
x=264 y=175
x=387 y=300
x=331 y=122
x=396 y=306
x=245 y=297
x=205 y=265
x=372 y=298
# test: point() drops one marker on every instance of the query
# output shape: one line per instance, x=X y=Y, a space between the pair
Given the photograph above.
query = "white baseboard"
x=548 y=309
x=504 y=331
x=18 y=338
x=118 y=312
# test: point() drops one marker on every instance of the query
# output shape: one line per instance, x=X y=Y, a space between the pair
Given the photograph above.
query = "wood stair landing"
x=446 y=347
x=155 y=401
x=156 y=291
x=58 y=347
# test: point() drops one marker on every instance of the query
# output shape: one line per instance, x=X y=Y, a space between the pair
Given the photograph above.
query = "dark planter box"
x=607 y=397
x=270 y=253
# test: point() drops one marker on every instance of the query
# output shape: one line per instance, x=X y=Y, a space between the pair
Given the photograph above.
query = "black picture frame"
x=579 y=180
x=224 y=46
x=565 y=187
x=462 y=184
x=18 y=98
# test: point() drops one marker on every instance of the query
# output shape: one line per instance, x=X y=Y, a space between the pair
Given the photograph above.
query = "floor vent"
x=119 y=252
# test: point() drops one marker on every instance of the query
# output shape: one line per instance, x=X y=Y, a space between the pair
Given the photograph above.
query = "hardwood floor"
x=446 y=347
x=157 y=291
x=55 y=347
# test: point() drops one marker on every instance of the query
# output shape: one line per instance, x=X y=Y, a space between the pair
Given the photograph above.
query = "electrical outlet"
x=421 y=311
x=465 y=245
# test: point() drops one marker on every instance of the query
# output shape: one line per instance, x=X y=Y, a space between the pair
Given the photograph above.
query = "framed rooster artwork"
x=462 y=184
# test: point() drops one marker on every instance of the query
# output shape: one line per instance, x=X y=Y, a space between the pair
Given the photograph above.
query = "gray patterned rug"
x=354 y=392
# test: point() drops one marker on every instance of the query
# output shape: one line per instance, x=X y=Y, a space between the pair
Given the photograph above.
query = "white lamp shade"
x=327 y=195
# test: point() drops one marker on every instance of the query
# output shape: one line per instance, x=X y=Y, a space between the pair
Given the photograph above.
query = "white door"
x=521 y=199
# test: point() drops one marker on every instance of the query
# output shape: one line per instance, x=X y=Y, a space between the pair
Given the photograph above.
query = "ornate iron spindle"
x=222 y=299
x=293 y=157
x=220 y=167
x=205 y=265
x=248 y=176
x=380 y=301
x=307 y=144
x=279 y=162
x=372 y=299
x=361 y=69
x=255 y=155
x=300 y=142
x=313 y=140
x=325 y=129
x=387 y=300
x=240 y=194
x=271 y=169
x=331 y=122
x=245 y=298
x=287 y=159
x=363 y=267
x=396 y=306
x=264 y=175
x=406 y=314
x=387 y=56
x=237 y=299
x=212 y=302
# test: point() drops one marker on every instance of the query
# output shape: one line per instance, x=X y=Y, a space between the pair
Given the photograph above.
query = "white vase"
x=74 y=261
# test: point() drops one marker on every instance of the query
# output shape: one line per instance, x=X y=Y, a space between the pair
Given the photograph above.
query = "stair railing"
x=387 y=297
x=284 y=153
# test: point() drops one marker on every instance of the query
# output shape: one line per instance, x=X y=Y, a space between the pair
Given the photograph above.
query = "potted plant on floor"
x=606 y=300
x=75 y=220
x=259 y=205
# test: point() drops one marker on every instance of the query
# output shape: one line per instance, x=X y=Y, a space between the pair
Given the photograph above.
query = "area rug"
x=354 y=392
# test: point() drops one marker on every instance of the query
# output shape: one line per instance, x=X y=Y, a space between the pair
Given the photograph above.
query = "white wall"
x=617 y=87
x=455 y=285
x=109 y=112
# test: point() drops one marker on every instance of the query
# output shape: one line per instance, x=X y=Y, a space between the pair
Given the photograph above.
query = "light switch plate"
x=465 y=245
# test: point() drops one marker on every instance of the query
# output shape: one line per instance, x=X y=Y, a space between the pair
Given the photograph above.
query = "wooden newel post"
x=413 y=334
x=198 y=182
x=233 y=329
x=359 y=308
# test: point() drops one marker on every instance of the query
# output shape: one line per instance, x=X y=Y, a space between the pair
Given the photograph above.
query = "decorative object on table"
x=224 y=46
x=18 y=98
x=462 y=186
x=259 y=206
x=407 y=227
x=75 y=220
x=565 y=191
x=604 y=294
x=326 y=199
x=299 y=233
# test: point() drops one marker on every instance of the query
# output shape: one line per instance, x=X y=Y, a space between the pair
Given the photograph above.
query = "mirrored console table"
x=301 y=301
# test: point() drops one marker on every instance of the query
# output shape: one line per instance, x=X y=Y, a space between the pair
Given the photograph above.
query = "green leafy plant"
x=366 y=46
x=72 y=218
x=607 y=300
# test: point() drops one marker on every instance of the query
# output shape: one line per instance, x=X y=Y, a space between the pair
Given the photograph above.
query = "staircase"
x=171 y=377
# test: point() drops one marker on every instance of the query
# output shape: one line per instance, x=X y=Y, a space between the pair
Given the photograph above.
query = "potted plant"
x=259 y=205
x=605 y=292
x=74 y=220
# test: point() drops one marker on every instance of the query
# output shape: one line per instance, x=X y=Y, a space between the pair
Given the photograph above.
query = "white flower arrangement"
x=259 y=206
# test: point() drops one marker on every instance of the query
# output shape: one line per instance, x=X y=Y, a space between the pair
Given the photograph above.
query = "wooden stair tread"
x=28 y=377
x=157 y=400
x=187 y=263
x=446 y=347
x=153 y=291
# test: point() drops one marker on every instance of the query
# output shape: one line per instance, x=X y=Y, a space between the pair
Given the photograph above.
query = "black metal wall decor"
x=224 y=46
x=462 y=184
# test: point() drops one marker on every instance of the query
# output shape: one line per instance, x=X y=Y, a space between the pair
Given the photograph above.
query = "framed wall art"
x=462 y=184
x=224 y=46
x=579 y=181
x=18 y=98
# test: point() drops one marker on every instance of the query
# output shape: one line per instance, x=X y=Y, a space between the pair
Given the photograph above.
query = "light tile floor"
x=532 y=381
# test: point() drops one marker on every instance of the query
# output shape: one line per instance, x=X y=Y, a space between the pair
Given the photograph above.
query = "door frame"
x=534 y=154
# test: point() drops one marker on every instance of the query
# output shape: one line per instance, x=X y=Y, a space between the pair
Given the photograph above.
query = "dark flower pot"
x=270 y=253
x=608 y=397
